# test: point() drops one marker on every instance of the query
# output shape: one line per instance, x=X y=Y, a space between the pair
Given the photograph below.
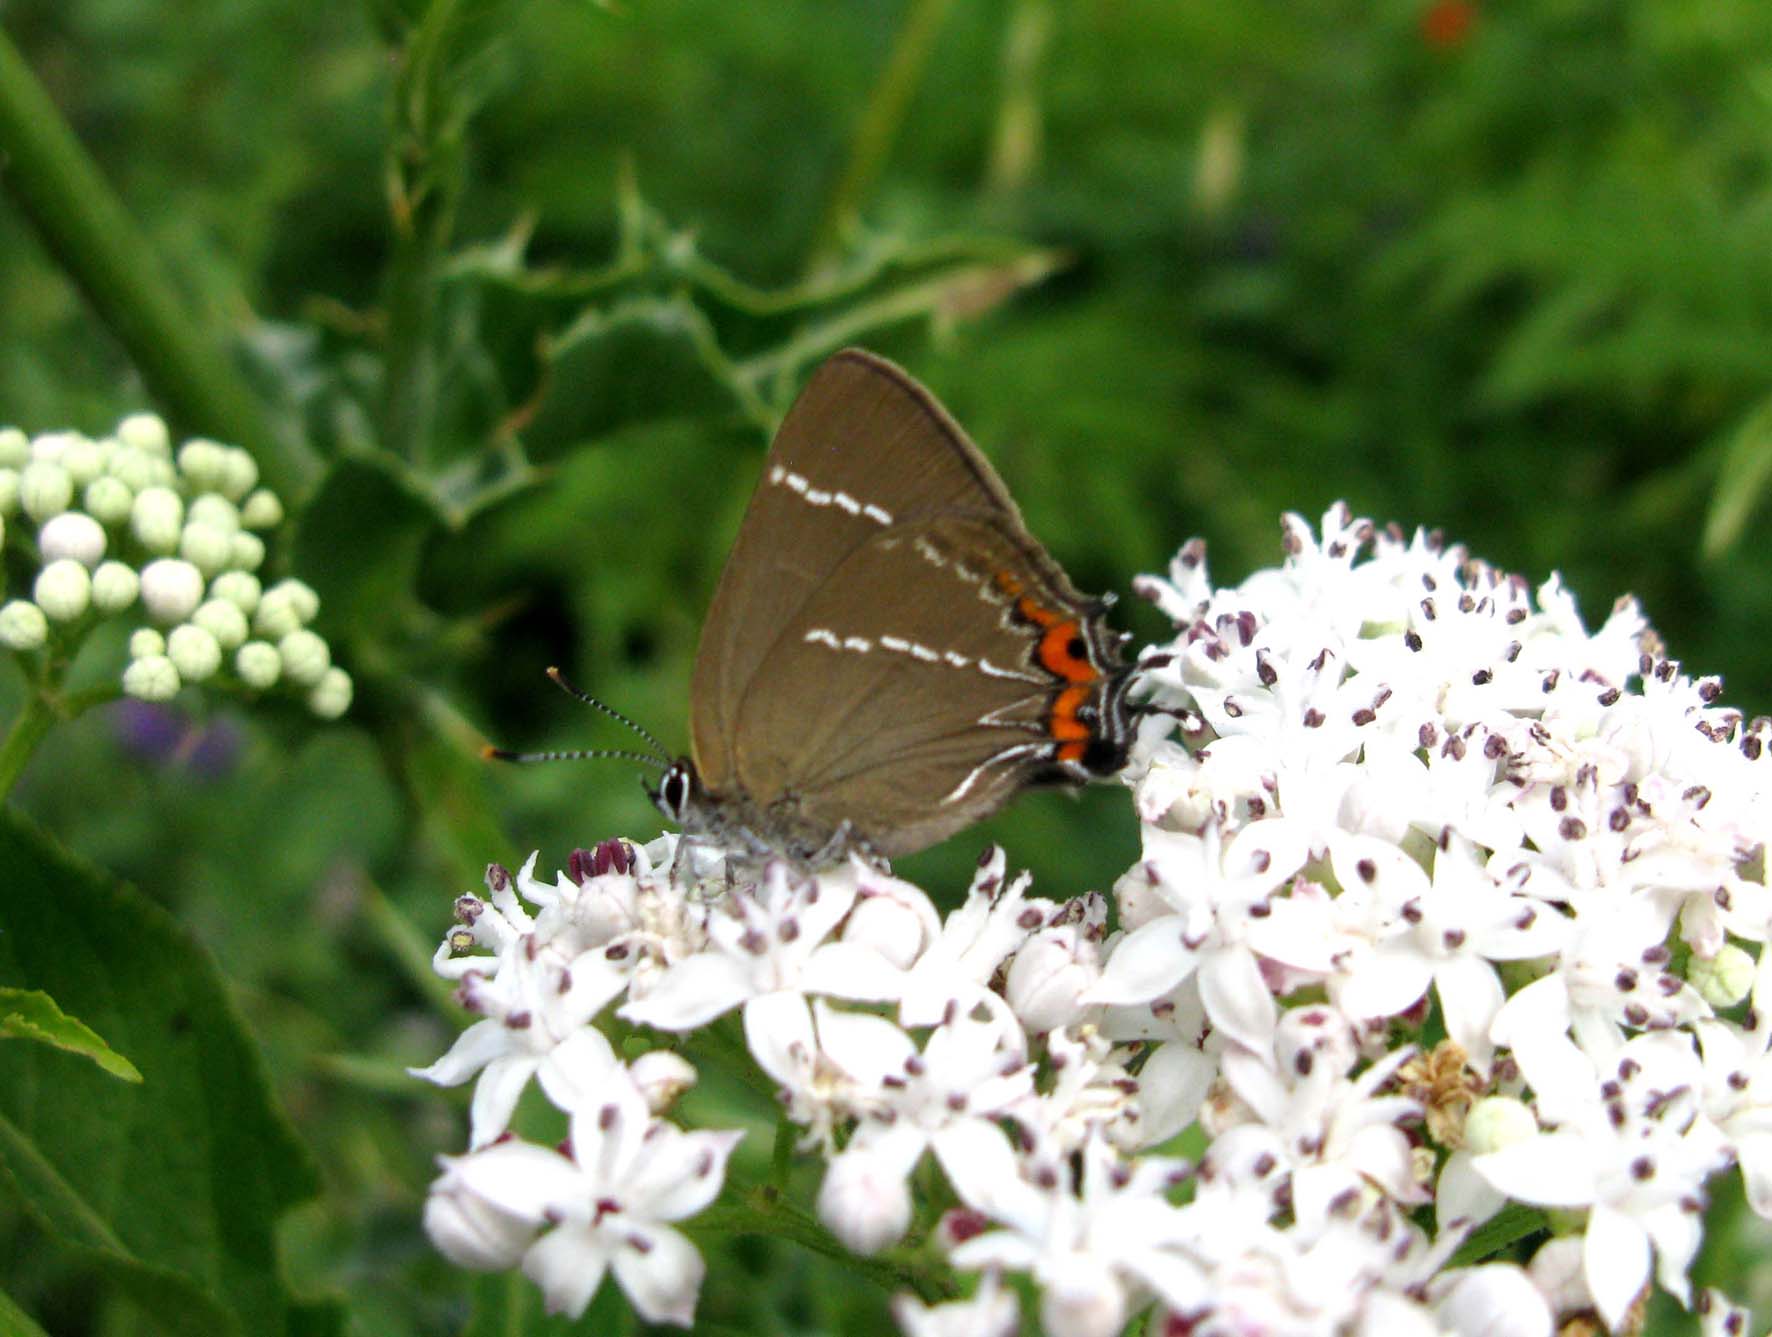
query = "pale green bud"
x=205 y=547
x=261 y=510
x=276 y=616
x=51 y=446
x=258 y=663
x=301 y=597
x=171 y=589
x=151 y=678
x=202 y=463
x=145 y=643
x=305 y=657
x=331 y=696
x=63 y=590
x=193 y=652
x=240 y=588
x=22 y=625
x=1496 y=1122
x=114 y=587
x=158 y=518
x=134 y=468
x=72 y=534
x=239 y=474
x=15 y=448
x=249 y=552
x=216 y=511
x=9 y=482
x=44 y=489
x=109 y=500
x=222 y=620
x=1724 y=979
x=146 y=432
x=84 y=460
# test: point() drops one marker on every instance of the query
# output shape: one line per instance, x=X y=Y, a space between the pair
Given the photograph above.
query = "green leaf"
x=358 y=541
x=14 y=1322
x=30 y=1014
x=1511 y=1224
x=172 y=1187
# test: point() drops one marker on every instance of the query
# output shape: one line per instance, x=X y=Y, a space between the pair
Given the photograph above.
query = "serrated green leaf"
x=173 y=1187
x=31 y=1014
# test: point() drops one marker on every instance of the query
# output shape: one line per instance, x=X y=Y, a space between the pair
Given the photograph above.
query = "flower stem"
x=22 y=738
x=97 y=243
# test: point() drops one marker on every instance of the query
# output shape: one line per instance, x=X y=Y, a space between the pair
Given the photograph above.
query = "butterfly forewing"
x=863 y=450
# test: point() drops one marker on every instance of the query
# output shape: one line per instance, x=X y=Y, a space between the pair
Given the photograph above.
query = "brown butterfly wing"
x=863 y=451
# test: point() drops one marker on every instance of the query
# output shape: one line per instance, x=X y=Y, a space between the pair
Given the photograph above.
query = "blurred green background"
x=517 y=288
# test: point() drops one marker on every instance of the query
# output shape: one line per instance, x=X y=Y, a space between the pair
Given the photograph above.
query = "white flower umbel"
x=1443 y=902
x=120 y=526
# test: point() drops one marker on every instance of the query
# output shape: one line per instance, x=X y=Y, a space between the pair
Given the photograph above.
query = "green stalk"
x=85 y=226
x=879 y=126
x=21 y=740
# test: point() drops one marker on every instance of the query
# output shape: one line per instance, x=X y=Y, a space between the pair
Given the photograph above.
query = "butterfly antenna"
x=582 y=754
x=659 y=754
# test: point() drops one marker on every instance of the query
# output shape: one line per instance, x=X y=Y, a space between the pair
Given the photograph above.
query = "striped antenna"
x=583 y=754
x=659 y=755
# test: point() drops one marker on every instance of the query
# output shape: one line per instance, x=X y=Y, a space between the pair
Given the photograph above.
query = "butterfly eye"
x=674 y=791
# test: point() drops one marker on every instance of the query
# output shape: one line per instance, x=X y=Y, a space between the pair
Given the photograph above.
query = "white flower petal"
x=1382 y=983
x=1146 y=964
x=1550 y=1169
x=568 y=1264
x=778 y=1032
x=1615 y=1261
x=473 y=1049
x=496 y=1094
x=1171 y=1086
x=575 y=1070
x=663 y=1278
x=691 y=993
x=1238 y=999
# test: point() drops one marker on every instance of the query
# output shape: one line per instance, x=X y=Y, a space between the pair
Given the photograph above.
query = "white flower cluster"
x=1444 y=902
x=127 y=518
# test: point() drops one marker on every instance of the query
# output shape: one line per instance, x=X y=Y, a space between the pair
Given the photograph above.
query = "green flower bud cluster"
x=126 y=525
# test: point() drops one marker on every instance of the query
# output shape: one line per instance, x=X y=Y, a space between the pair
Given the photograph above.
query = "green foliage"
x=507 y=296
x=31 y=1014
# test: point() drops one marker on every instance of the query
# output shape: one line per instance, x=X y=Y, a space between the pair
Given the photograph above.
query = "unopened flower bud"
x=205 y=547
x=72 y=534
x=193 y=652
x=114 y=587
x=1496 y=1122
x=44 y=489
x=662 y=1076
x=1048 y=976
x=145 y=642
x=22 y=625
x=301 y=598
x=468 y=1229
x=108 y=500
x=133 y=468
x=259 y=665
x=202 y=462
x=276 y=617
x=63 y=590
x=15 y=448
x=157 y=518
x=83 y=460
x=261 y=510
x=146 y=432
x=216 y=511
x=1722 y=980
x=151 y=678
x=222 y=620
x=51 y=446
x=888 y=923
x=864 y=1202
x=239 y=474
x=240 y=588
x=171 y=589
x=248 y=552
x=331 y=696
x=305 y=657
